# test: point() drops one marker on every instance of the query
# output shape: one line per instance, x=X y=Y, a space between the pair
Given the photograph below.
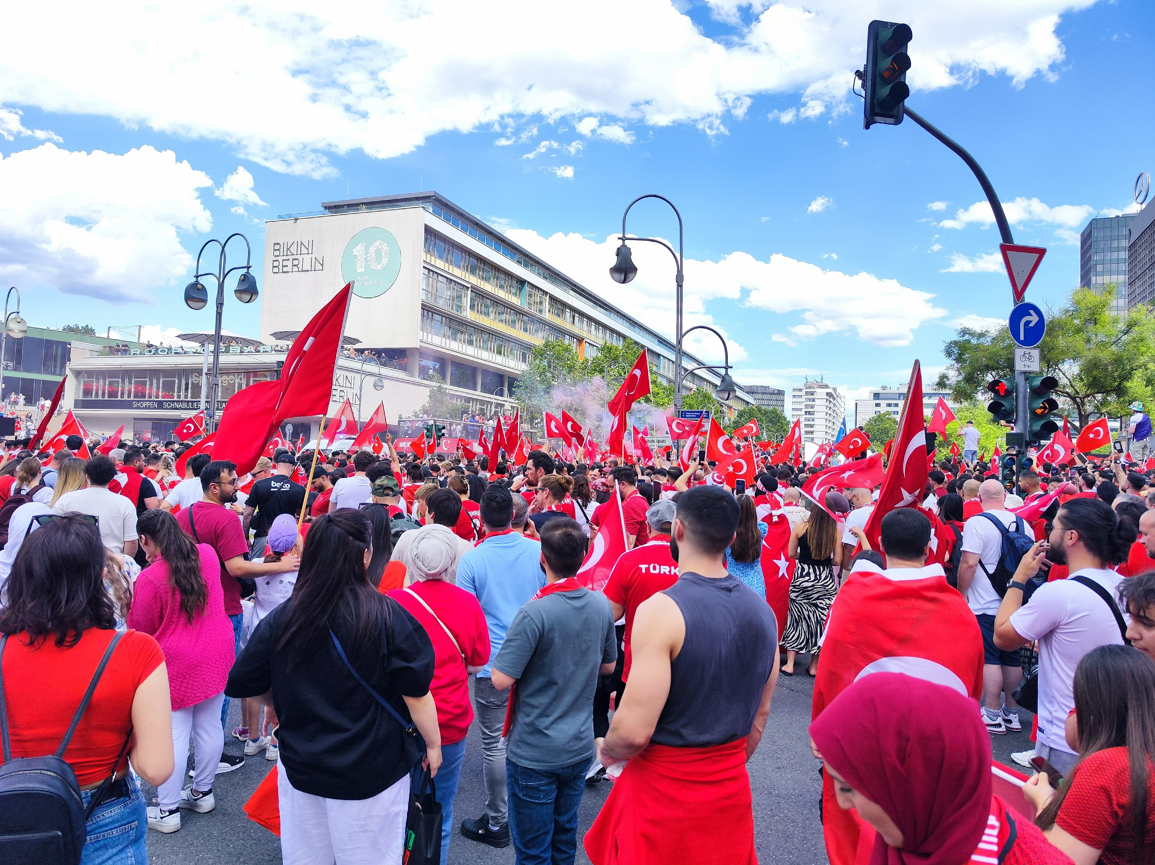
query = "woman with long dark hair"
x=384 y=572
x=1105 y=811
x=178 y=599
x=57 y=625
x=816 y=545
x=348 y=672
x=744 y=556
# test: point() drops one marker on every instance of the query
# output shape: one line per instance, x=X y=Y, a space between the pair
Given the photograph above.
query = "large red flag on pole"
x=190 y=427
x=635 y=386
x=571 y=426
x=555 y=429
x=43 y=426
x=204 y=446
x=941 y=417
x=788 y=444
x=608 y=546
x=376 y=424
x=343 y=425
x=112 y=442
x=1093 y=436
x=853 y=444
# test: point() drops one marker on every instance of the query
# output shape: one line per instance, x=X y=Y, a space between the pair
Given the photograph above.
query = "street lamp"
x=196 y=296
x=625 y=270
x=14 y=326
x=726 y=387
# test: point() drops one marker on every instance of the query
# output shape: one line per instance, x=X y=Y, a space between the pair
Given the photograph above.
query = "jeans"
x=238 y=625
x=446 y=783
x=116 y=830
x=970 y=457
x=199 y=722
x=489 y=704
x=543 y=808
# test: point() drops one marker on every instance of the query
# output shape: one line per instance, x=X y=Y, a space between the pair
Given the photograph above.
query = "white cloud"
x=979 y=322
x=937 y=205
x=819 y=204
x=238 y=187
x=833 y=255
x=98 y=224
x=787 y=116
x=590 y=126
x=238 y=209
x=318 y=79
x=586 y=126
x=935 y=247
x=1069 y=237
x=990 y=263
x=1022 y=210
x=842 y=142
x=11 y=126
x=574 y=148
x=542 y=147
x=563 y=171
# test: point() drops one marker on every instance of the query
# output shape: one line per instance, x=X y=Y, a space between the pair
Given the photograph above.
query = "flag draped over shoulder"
x=608 y=546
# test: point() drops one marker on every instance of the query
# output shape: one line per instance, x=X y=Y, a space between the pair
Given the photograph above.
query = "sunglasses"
x=45 y=519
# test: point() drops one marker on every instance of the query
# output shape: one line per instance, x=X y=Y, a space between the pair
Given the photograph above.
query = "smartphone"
x=701 y=456
x=1118 y=445
x=1040 y=764
x=740 y=487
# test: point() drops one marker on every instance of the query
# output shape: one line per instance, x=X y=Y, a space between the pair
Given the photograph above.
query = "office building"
x=34 y=364
x=1141 y=258
x=767 y=397
x=888 y=400
x=1103 y=257
x=820 y=407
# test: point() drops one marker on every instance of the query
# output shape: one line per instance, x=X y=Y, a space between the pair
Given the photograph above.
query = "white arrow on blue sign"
x=1027 y=324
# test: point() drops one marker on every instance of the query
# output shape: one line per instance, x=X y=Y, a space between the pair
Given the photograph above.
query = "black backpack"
x=400 y=525
x=9 y=508
x=1016 y=544
x=42 y=815
x=951 y=566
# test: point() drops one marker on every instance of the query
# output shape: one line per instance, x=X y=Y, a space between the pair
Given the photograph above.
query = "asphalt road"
x=783 y=776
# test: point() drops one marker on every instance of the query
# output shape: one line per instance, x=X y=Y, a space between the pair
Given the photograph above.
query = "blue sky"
x=819 y=248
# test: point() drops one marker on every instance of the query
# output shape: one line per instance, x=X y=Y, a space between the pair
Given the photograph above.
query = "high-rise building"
x=888 y=400
x=767 y=397
x=1141 y=258
x=1103 y=257
x=820 y=407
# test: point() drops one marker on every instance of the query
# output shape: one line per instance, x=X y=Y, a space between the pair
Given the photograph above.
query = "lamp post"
x=624 y=270
x=14 y=326
x=726 y=387
x=196 y=296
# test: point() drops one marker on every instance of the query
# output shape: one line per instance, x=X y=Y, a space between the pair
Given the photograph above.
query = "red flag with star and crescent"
x=853 y=443
x=719 y=447
x=635 y=386
x=275 y=442
x=786 y=450
x=555 y=429
x=746 y=431
x=941 y=416
x=690 y=445
x=375 y=425
x=1059 y=450
x=571 y=426
x=343 y=425
x=1093 y=436
x=680 y=427
x=70 y=427
x=609 y=545
x=204 y=446
x=641 y=446
x=906 y=473
x=190 y=427
x=741 y=466
x=866 y=474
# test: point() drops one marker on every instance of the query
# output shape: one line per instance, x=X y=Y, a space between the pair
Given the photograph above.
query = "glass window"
x=430 y=365
x=463 y=375
x=491 y=382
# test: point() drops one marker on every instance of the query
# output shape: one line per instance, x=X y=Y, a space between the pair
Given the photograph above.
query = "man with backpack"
x=993 y=543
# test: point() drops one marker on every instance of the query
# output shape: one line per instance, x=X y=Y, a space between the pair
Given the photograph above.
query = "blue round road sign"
x=1027 y=325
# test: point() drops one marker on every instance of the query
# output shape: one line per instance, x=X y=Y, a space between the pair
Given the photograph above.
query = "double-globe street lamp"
x=196 y=296
x=14 y=326
x=624 y=270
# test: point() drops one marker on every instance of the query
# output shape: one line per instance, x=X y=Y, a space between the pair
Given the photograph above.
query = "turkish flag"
x=691 y=444
x=496 y=446
x=777 y=567
x=941 y=417
x=275 y=442
x=919 y=626
x=906 y=472
x=1093 y=436
x=609 y=544
x=679 y=427
x=636 y=386
x=742 y=466
x=376 y=424
x=641 y=446
x=204 y=446
x=821 y=455
x=378 y=446
x=555 y=429
x=190 y=427
x=866 y=474
x=469 y=450
x=787 y=448
x=70 y=427
x=718 y=445
x=245 y=424
x=853 y=443
x=1149 y=465
x=111 y=442
x=42 y=427
x=591 y=449
x=616 y=440
x=343 y=425
x=954 y=449
x=767 y=446
x=513 y=432
x=420 y=447
x=520 y=454
x=748 y=431
x=995 y=454
x=1058 y=451
x=572 y=427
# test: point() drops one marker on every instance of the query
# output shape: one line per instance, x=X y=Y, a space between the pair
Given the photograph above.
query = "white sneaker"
x=163 y=821
x=272 y=752
x=202 y=804
x=1023 y=758
x=995 y=725
x=1010 y=720
x=255 y=746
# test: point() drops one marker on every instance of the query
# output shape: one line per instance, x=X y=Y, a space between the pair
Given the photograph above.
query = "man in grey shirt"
x=557 y=645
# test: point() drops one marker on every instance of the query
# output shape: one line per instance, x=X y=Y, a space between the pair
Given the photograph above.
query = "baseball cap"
x=284 y=457
x=661 y=511
x=282 y=534
x=386 y=485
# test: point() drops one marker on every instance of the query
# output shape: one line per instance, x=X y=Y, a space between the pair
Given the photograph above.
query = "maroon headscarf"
x=920 y=752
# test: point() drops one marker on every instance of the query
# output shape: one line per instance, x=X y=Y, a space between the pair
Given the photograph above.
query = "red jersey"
x=565 y=506
x=321 y=504
x=972 y=508
x=634 y=509
x=1138 y=562
x=638 y=574
x=464 y=526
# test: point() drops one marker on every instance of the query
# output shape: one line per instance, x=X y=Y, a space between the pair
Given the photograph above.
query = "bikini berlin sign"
x=371 y=261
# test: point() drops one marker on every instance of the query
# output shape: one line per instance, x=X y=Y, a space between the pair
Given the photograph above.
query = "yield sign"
x=1021 y=262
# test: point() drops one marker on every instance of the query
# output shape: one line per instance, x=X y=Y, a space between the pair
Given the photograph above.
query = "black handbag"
x=423 y=825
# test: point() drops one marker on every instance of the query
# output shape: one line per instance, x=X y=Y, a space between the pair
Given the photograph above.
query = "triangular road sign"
x=1021 y=262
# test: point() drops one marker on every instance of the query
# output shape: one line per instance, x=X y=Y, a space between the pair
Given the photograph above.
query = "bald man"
x=970 y=497
x=982 y=545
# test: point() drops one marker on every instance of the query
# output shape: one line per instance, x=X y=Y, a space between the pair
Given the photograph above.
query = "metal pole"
x=4 y=334
x=215 y=386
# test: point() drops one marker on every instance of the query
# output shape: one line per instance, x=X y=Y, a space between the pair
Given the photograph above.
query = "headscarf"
x=432 y=554
x=920 y=752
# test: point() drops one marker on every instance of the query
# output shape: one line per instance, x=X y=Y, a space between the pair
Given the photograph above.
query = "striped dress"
x=811 y=595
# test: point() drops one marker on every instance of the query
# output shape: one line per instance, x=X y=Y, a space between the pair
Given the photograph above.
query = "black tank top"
x=716 y=681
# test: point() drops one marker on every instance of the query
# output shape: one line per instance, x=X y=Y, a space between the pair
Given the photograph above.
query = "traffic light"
x=1042 y=407
x=1002 y=404
x=434 y=431
x=1008 y=470
x=884 y=79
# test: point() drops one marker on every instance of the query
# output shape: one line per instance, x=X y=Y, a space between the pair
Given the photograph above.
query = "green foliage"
x=441 y=403
x=990 y=433
x=1102 y=361
x=880 y=429
x=700 y=398
x=771 y=421
x=86 y=329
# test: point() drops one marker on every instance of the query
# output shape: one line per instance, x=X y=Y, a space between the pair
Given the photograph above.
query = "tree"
x=700 y=398
x=990 y=433
x=1103 y=361
x=441 y=403
x=86 y=329
x=880 y=429
x=771 y=422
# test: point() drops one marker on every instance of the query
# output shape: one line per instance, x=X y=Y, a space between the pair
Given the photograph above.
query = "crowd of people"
x=367 y=618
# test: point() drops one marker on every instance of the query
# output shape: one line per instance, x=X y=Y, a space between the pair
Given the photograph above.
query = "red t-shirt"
x=473 y=510
x=464 y=527
x=634 y=509
x=38 y=716
x=6 y=483
x=1097 y=808
x=221 y=529
x=972 y=508
x=638 y=574
x=321 y=504
x=1138 y=562
x=461 y=614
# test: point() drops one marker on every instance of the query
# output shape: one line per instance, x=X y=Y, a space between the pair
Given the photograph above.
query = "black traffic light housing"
x=884 y=79
x=1008 y=469
x=434 y=431
x=1043 y=407
x=1002 y=404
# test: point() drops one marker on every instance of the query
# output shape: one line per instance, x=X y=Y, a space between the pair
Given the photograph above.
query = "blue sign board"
x=1027 y=325
x=693 y=413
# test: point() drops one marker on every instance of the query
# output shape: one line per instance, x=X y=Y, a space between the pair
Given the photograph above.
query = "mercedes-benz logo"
x=1142 y=187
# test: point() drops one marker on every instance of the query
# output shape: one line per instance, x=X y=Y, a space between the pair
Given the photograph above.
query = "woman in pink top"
x=178 y=599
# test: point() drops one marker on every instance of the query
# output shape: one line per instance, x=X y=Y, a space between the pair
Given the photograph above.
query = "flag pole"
x=312 y=468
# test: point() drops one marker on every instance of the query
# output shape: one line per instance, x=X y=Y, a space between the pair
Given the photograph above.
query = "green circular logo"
x=371 y=261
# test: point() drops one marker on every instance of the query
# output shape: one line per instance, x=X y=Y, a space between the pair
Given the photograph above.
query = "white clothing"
x=584 y=515
x=272 y=590
x=971 y=437
x=354 y=831
x=43 y=496
x=981 y=536
x=115 y=513
x=350 y=493
x=856 y=519
x=185 y=494
x=931 y=503
x=405 y=543
x=18 y=527
x=1068 y=620
x=202 y=722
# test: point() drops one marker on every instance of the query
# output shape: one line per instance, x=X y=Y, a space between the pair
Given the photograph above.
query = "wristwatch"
x=1022 y=587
